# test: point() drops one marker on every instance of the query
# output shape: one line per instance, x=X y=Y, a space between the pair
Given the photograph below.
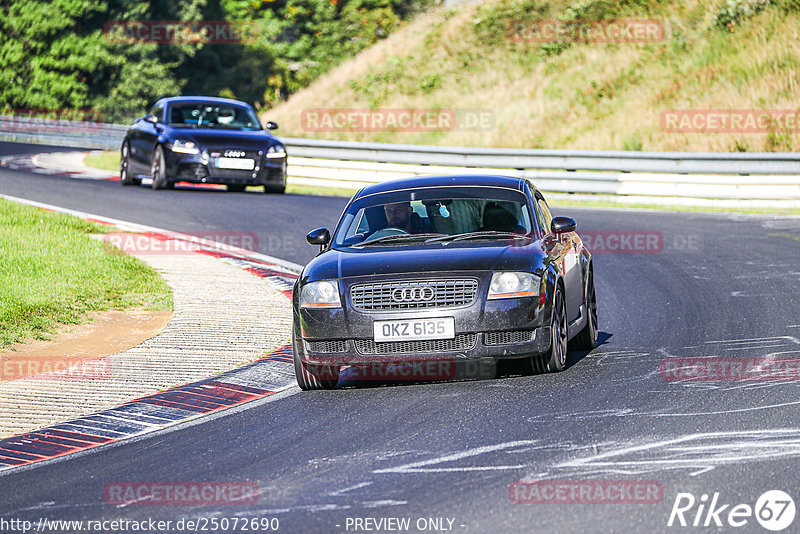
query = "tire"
x=236 y=188
x=158 y=171
x=587 y=337
x=275 y=189
x=306 y=379
x=555 y=359
x=125 y=177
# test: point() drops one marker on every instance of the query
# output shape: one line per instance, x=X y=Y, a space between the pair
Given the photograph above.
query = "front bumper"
x=196 y=169
x=482 y=349
x=485 y=329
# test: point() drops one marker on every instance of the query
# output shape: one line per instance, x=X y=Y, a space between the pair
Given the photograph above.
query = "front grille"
x=507 y=338
x=327 y=346
x=233 y=174
x=461 y=342
x=444 y=294
x=252 y=154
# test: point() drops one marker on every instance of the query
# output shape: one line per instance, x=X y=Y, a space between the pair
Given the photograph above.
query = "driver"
x=398 y=215
x=226 y=116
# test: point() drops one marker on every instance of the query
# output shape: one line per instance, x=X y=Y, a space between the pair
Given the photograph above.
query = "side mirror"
x=271 y=125
x=151 y=118
x=562 y=225
x=319 y=236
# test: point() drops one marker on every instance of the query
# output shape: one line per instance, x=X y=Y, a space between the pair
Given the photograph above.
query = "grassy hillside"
x=737 y=54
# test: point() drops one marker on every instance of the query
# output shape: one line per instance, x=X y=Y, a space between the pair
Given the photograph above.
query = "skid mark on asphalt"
x=696 y=453
x=427 y=466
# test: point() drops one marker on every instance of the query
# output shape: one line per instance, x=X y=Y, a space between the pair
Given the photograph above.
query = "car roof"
x=462 y=180
x=214 y=99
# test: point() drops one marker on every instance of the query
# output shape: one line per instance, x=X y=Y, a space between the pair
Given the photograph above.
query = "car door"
x=564 y=252
x=143 y=139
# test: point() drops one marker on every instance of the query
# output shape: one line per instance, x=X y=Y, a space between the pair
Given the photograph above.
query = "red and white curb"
x=271 y=374
x=39 y=164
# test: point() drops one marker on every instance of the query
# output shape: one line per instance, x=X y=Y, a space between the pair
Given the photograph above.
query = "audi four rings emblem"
x=413 y=294
x=234 y=153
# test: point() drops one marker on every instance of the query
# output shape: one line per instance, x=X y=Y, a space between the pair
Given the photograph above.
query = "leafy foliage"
x=58 y=55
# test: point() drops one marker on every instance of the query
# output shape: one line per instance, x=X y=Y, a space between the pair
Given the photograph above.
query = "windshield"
x=213 y=115
x=434 y=216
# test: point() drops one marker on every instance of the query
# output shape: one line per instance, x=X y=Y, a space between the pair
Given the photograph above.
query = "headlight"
x=184 y=147
x=276 y=151
x=507 y=285
x=322 y=294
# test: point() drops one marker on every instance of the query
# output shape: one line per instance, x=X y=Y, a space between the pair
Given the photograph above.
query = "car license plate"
x=244 y=164
x=415 y=329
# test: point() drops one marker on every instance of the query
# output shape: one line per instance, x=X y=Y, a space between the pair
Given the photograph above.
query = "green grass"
x=53 y=272
x=107 y=160
x=572 y=95
x=299 y=189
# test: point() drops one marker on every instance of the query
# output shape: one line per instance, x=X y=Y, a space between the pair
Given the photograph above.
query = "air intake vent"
x=461 y=342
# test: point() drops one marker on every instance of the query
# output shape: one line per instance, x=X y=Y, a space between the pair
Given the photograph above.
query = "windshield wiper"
x=396 y=237
x=476 y=235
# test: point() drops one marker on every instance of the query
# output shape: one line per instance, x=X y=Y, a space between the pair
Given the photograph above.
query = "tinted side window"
x=158 y=112
x=539 y=224
x=547 y=218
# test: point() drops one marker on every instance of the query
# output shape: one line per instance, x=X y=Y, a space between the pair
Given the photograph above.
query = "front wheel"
x=555 y=359
x=158 y=171
x=310 y=377
x=275 y=189
x=587 y=337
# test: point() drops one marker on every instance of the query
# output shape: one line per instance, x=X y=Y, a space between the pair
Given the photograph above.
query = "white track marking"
x=338 y=493
x=419 y=467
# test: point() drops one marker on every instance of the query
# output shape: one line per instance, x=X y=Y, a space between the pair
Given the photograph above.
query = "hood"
x=423 y=259
x=224 y=138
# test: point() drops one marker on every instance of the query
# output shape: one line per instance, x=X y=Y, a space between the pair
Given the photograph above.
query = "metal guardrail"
x=517 y=158
x=772 y=178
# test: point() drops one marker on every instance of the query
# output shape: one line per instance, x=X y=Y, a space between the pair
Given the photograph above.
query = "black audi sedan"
x=203 y=140
x=442 y=269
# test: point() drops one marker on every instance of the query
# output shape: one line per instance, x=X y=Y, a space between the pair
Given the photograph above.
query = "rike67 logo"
x=774 y=510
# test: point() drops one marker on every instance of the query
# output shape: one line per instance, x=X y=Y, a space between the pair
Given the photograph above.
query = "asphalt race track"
x=712 y=286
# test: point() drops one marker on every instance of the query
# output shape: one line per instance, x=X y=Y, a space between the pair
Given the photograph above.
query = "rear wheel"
x=587 y=338
x=311 y=377
x=555 y=359
x=125 y=177
x=236 y=188
x=158 y=171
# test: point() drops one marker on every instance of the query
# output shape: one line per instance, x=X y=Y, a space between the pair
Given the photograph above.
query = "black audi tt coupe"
x=442 y=269
x=203 y=140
